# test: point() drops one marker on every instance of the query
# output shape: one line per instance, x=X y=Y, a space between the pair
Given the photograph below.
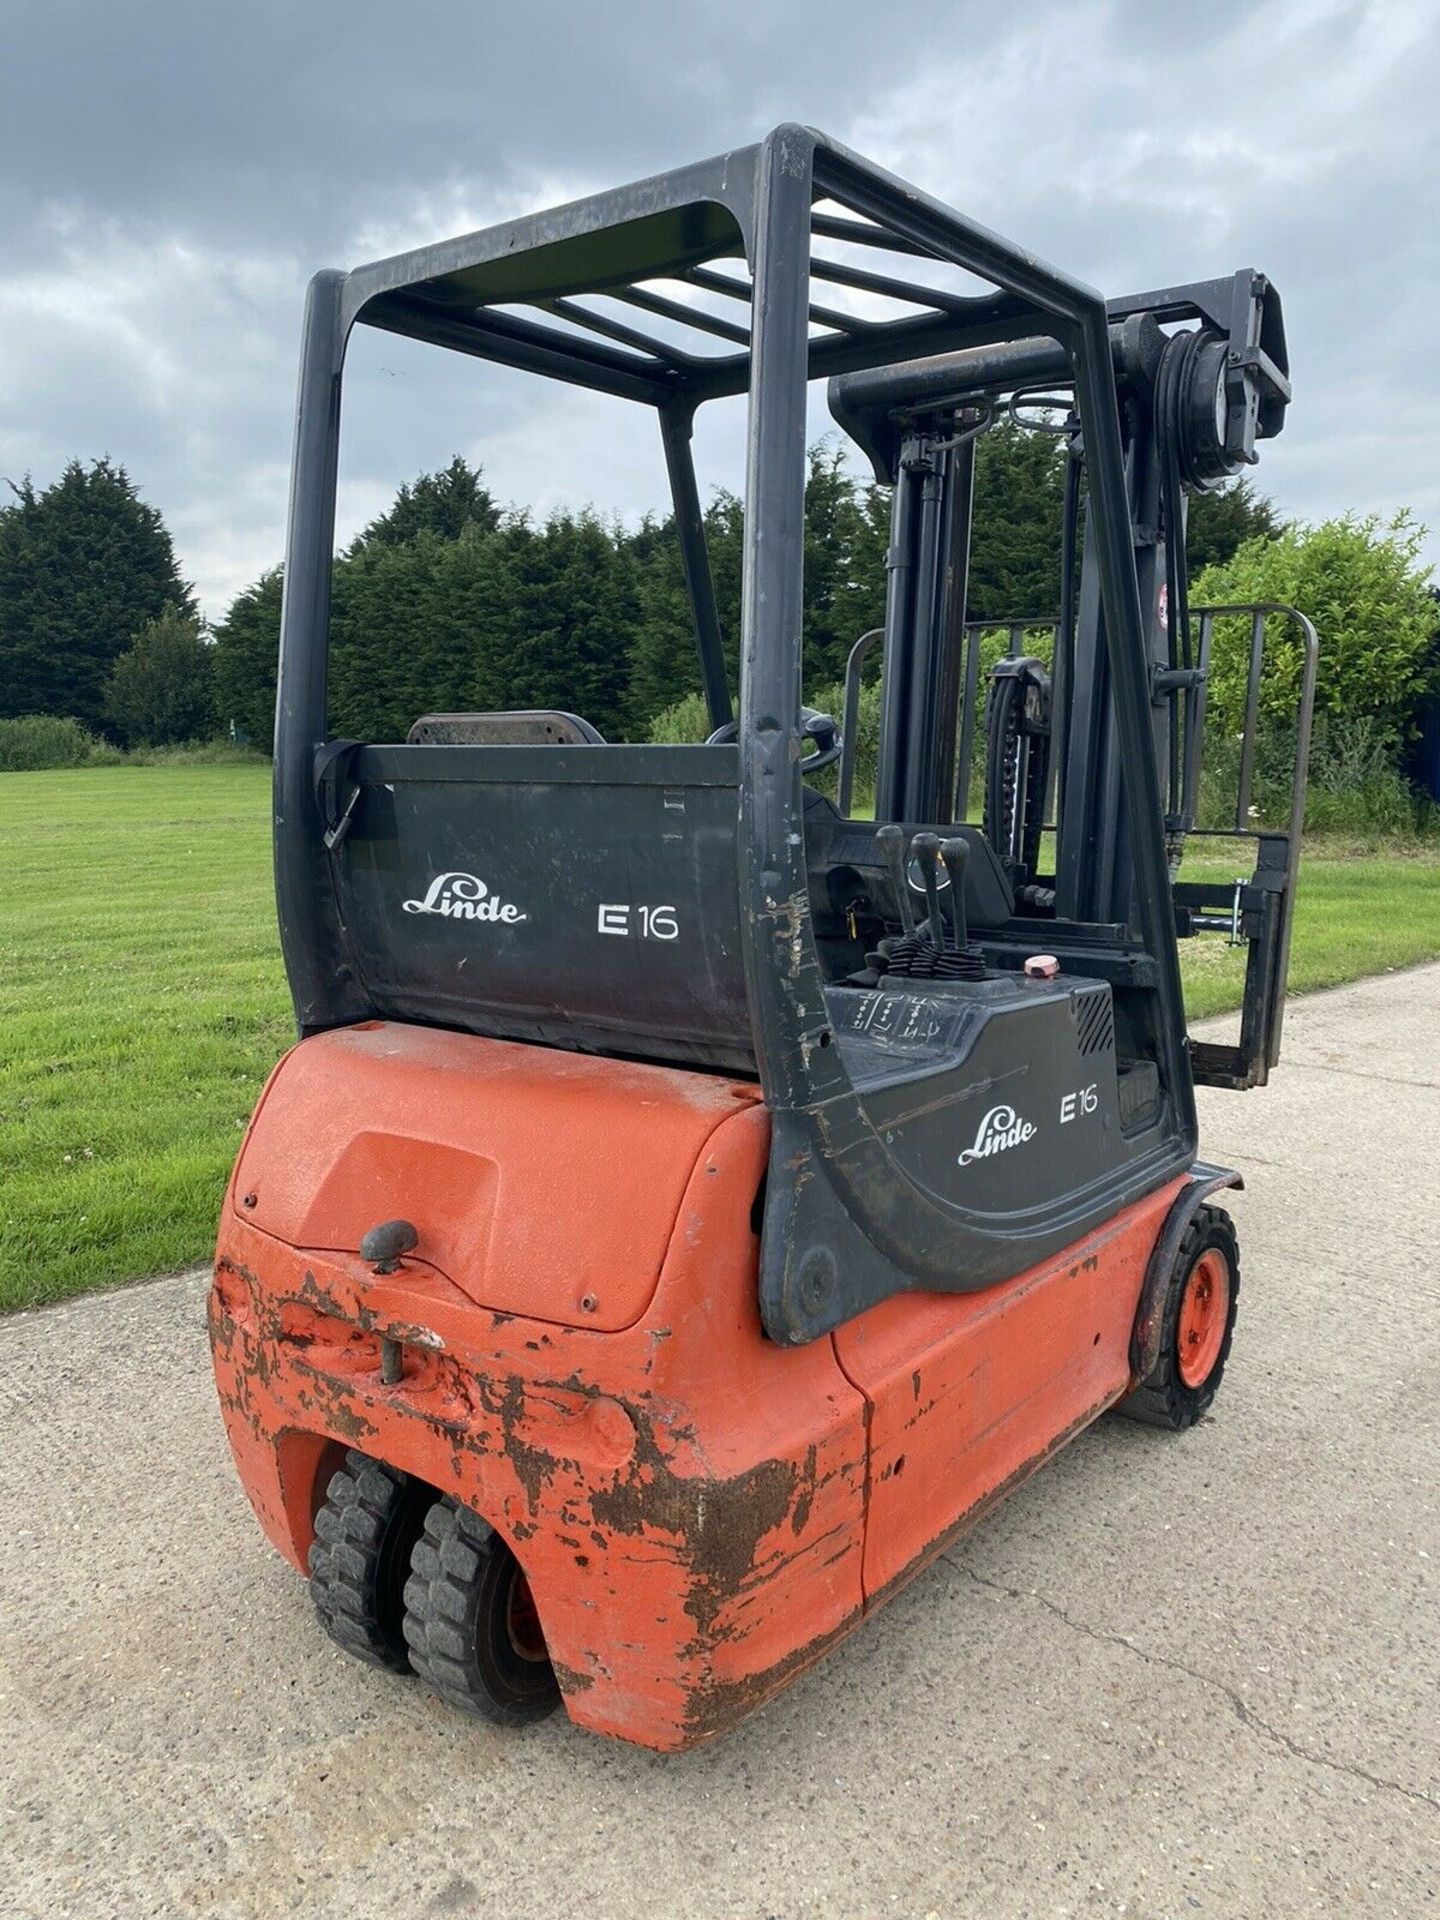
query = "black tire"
x=1165 y=1398
x=470 y=1623
x=360 y=1558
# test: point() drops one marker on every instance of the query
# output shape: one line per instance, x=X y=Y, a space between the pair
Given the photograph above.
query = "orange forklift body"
x=574 y=1350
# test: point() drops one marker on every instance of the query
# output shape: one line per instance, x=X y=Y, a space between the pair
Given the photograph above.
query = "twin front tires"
x=411 y=1583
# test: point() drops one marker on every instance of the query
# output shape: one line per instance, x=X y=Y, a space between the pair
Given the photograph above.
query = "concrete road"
x=1168 y=1678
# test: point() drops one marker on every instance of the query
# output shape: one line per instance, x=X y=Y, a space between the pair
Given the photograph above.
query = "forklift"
x=690 y=1203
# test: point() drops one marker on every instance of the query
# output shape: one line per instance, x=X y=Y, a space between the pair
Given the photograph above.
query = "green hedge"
x=36 y=742
x=1365 y=585
x=688 y=724
x=40 y=742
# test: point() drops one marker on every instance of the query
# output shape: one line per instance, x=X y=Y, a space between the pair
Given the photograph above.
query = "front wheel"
x=471 y=1622
x=1198 y=1327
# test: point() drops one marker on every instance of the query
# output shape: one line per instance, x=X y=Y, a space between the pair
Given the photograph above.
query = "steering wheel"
x=817 y=727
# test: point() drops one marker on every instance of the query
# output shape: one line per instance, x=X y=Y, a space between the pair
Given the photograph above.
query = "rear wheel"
x=360 y=1558
x=1197 y=1329
x=471 y=1621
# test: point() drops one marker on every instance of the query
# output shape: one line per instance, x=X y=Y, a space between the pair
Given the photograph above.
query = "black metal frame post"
x=951 y=676
x=309 y=925
x=782 y=967
x=925 y=615
x=1142 y=806
x=897 y=669
x=926 y=611
x=676 y=429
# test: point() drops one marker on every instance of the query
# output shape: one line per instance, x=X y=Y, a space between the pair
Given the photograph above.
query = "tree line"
x=450 y=601
x=86 y=567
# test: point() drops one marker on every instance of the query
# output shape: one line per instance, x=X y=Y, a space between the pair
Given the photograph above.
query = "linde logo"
x=461 y=896
x=1002 y=1127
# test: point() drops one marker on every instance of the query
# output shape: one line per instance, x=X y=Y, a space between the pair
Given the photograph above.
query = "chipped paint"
x=700 y=1512
x=686 y=1499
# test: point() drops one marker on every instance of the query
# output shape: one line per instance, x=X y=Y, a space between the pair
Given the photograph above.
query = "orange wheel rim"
x=1204 y=1311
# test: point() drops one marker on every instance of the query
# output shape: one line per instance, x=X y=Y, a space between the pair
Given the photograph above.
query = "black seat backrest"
x=582 y=899
x=528 y=727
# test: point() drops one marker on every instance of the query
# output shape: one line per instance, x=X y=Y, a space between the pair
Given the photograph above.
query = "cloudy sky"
x=175 y=169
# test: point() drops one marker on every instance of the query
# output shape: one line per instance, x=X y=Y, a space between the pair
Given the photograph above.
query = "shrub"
x=865 y=746
x=685 y=724
x=1354 y=786
x=38 y=741
x=687 y=721
x=1364 y=585
x=162 y=691
x=219 y=752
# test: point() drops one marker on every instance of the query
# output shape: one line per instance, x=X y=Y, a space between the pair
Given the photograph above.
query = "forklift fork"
x=1257 y=912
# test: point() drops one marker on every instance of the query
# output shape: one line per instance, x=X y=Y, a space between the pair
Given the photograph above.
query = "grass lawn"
x=1360 y=910
x=142 y=1002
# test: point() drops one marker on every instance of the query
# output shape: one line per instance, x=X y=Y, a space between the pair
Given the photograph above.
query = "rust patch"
x=725 y=1703
x=805 y=1499
x=332 y=1409
x=506 y=1403
x=718 y=1524
x=313 y=1294
x=571 y=1679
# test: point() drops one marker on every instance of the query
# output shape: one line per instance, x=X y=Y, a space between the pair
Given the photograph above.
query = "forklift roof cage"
x=524 y=294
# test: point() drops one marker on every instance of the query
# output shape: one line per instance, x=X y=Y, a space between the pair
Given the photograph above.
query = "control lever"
x=925 y=848
x=956 y=855
x=924 y=953
x=891 y=842
x=965 y=962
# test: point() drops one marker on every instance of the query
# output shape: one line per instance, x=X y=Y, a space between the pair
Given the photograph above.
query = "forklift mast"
x=1201 y=375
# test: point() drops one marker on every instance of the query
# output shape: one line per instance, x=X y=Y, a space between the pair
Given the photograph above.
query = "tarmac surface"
x=1169 y=1677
